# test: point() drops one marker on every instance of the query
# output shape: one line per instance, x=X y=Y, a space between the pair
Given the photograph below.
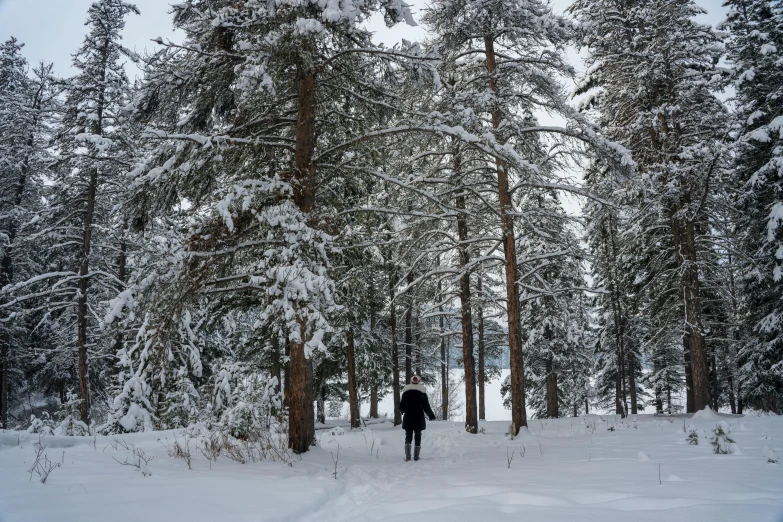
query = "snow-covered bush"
x=722 y=443
x=130 y=410
x=769 y=454
x=244 y=403
x=693 y=436
x=44 y=425
x=69 y=421
x=337 y=431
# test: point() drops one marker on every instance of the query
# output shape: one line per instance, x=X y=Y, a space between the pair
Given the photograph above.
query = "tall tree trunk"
x=658 y=398
x=517 y=379
x=587 y=406
x=632 y=379
x=690 y=288
x=552 y=406
x=301 y=418
x=84 y=269
x=301 y=425
x=732 y=402
x=320 y=403
x=610 y=251
x=689 y=402
x=417 y=343
x=395 y=355
x=374 y=401
x=444 y=376
x=481 y=355
x=6 y=353
x=287 y=376
x=374 y=374
x=623 y=383
x=353 y=397
x=82 y=312
x=468 y=362
x=409 y=329
x=122 y=276
x=714 y=380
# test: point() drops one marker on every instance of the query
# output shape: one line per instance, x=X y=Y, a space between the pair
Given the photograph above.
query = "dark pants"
x=409 y=436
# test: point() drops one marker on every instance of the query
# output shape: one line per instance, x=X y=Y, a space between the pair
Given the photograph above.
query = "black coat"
x=414 y=404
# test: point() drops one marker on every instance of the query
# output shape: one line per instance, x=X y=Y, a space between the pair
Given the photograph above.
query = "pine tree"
x=507 y=58
x=754 y=48
x=672 y=123
x=25 y=112
x=247 y=128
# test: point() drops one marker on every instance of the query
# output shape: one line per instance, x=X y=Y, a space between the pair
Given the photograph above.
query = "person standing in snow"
x=413 y=405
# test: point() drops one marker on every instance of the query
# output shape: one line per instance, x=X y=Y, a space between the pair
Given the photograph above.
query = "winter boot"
x=408 y=453
x=415 y=453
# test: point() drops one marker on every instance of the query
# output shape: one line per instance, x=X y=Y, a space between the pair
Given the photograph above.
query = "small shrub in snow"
x=70 y=423
x=244 y=404
x=337 y=431
x=180 y=451
x=42 y=466
x=693 y=436
x=769 y=454
x=139 y=460
x=721 y=441
x=44 y=425
x=610 y=428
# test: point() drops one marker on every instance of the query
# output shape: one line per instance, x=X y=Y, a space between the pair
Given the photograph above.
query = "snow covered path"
x=566 y=469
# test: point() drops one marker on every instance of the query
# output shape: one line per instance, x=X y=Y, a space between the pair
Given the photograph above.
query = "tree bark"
x=714 y=381
x=552 y=406
x=632 y=379
x=517 y=378
x=301 y=425
x=685 y=249
x=4 y=381
x=374 y=402
x=732 y=402
x=444 y=376
x=353 y=397
x=409 y=329
x=481 y=355
x=468 y=361
x=81 y=311
x=301 y=417
x=320 y=403
x=374 y=373
x=121 y=275
x=610 y=251
x=395 y=355
x=689 y=403
x=287 y=376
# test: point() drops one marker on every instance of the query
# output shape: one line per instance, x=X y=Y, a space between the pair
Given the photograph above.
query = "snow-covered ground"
x=565 y=469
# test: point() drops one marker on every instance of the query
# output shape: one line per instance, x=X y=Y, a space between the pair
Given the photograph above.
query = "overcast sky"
x=53 y=29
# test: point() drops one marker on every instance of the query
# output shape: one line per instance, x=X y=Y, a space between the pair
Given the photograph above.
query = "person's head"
x=415 y=379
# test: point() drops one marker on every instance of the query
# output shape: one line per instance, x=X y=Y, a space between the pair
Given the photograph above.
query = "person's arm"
x=427 y=408
x=403 y=403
